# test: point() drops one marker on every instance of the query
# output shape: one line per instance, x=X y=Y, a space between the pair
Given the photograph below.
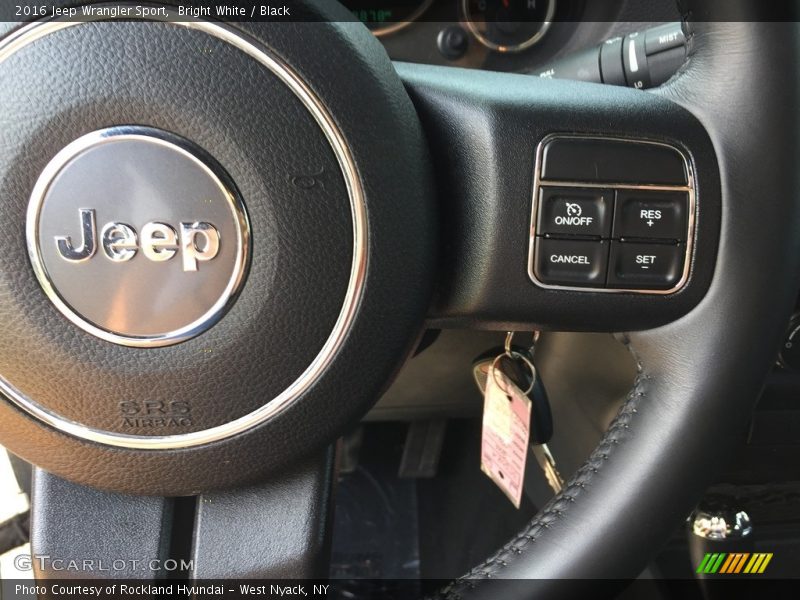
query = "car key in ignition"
x=523 y=414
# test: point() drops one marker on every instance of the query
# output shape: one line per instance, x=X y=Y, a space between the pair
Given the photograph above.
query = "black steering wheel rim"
x=698 y=377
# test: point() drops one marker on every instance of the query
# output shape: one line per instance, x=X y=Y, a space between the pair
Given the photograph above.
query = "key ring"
x=507 y=346
x=513 y=355
x=510 y=337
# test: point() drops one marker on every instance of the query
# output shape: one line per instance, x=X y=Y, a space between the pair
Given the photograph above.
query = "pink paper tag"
x=506 y=431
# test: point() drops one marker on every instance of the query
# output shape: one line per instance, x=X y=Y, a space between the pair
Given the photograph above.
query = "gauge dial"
x=387 y=16
x=789 y=357
x=508 y=25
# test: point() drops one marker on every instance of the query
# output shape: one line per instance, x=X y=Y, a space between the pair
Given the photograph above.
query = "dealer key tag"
x=505 y=434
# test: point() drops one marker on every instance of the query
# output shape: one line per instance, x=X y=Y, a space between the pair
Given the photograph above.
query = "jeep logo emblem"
x=161 y=253
x=197 y=241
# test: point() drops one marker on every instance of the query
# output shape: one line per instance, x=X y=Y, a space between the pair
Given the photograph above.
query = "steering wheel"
x=222 y=240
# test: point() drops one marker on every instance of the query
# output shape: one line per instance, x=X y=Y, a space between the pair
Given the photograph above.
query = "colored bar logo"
x=734 y=563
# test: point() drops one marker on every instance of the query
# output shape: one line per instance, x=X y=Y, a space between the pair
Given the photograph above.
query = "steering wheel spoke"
x=549 y=190
x=279 y=529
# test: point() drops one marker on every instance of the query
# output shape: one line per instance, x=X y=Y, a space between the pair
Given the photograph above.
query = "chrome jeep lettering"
x=192 y=252
x=86 y=249
x=119 y=242
x=198 y=241
x=159 y=241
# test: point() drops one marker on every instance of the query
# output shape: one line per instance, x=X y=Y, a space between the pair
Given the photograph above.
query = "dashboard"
x=503 y=35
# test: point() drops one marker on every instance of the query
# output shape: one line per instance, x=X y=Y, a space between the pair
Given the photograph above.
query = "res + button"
x=651 y=214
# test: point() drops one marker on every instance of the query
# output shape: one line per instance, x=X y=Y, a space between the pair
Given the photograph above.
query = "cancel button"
x=571 y=262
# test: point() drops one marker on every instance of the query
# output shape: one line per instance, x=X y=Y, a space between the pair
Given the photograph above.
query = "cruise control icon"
x=573 y=217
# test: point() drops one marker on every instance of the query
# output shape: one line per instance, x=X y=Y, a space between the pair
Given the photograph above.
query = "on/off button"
x=575 y=211
x=571 y=262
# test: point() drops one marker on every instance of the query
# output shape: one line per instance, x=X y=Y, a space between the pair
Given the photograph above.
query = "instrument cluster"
x=491 y=34
x=500 y=25
x=524 y=36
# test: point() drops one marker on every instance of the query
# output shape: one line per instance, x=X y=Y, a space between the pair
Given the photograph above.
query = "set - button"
x=645 y=266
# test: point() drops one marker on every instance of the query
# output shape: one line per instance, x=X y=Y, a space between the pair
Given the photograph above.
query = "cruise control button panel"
x=575 y=211
x=627 y=229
